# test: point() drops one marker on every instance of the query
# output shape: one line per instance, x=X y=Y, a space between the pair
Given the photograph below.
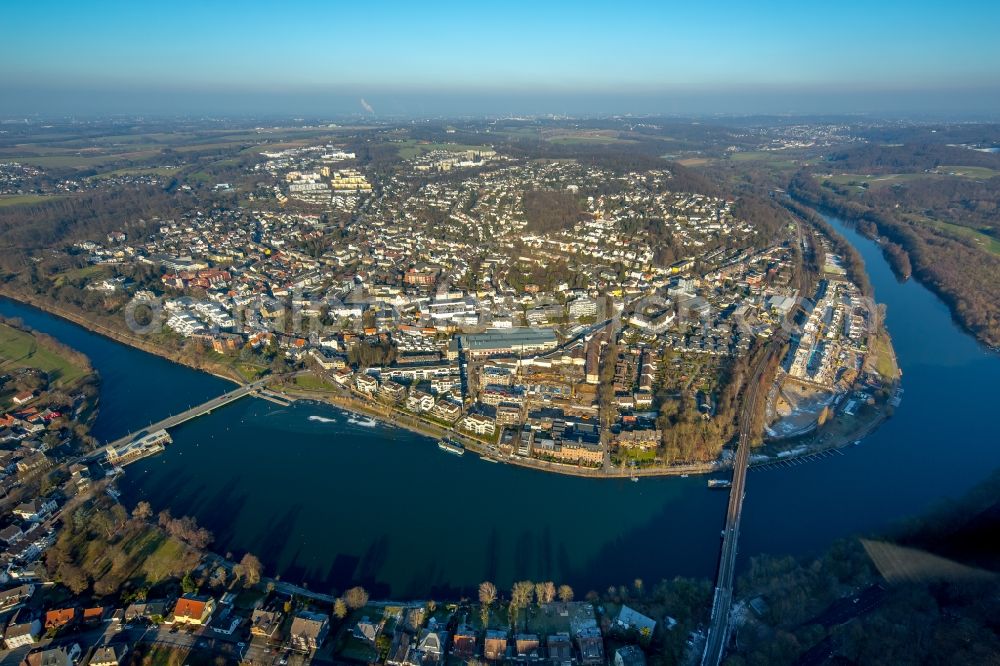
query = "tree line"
x=960 y=272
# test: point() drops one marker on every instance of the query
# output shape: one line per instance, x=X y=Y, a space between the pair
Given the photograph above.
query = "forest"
x=963 y=274
x=551 y=211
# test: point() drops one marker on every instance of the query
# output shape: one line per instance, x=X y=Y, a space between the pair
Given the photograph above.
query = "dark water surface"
x=331 y=502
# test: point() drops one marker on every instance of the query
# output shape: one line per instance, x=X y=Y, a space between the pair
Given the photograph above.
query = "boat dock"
x=796 y=460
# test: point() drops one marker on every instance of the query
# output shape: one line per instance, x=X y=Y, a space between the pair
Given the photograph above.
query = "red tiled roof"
x=59 y=617
x=193 y=608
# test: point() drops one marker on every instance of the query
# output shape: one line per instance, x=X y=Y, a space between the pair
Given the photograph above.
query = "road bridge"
x=186 y=415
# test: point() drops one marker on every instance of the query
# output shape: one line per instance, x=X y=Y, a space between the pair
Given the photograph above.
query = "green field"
x=985 y=241
x=139 y=171
x=588 y=140
x=969 y=171
x=19 y=349
x=313 y=383
x=19 y=199
x=875 y=181
x=768 y=157
x=885 y=359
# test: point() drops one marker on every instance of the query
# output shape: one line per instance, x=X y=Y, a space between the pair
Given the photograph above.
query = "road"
x=718 y=630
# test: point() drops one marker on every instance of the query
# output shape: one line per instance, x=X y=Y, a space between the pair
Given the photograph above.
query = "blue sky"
x=422 y=52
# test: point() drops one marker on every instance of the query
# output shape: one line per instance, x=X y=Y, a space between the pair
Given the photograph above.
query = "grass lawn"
x=19 y=349
x=86 y=273
x=313 y=383
x=884 y=364
x=639 y=456
x=985 y=241
x=162 y=561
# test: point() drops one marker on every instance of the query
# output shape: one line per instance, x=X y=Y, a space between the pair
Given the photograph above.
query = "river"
x=329 y=502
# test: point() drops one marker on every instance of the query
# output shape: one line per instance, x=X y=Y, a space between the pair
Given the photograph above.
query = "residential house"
x=10 y=534
x=463 y=643
x=432 y=645
x=20 y=633
x=508 y=415
x=15 y=596
x=36 y=510
x=367 y=630
x=631 y=619
x=65 y=655
x=59 y=617
x=402 y=651
x=92 y=615
x=528 y=646
x=419 y=401
x=495 y=645
x=630 y=655
x=265 y=623
x=560 y=649
x=108 y=655
x=145 y=610
x=308 y=631
x=191 y=609
x=591 y=646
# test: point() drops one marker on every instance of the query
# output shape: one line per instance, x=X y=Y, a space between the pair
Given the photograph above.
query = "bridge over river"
x=252 y=388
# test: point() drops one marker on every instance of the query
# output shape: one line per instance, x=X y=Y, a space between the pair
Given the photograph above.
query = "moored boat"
x=450 y=447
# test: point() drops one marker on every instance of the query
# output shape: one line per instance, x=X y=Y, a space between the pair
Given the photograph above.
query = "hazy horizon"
x=894 y=59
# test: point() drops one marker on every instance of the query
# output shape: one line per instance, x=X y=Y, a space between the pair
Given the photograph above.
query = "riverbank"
x=396 y=418
x=203 y=365
x=924 y=268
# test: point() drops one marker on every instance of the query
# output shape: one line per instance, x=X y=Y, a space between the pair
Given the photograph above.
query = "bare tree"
x=250 y=569
x=487 y=595
x=520 y=598
x=142 y=511
x=340 y=608
x=550 y=592
x=356 y=597
x=565 y=593
x=540 y=592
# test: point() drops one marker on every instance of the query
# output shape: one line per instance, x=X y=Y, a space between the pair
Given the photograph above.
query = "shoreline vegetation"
x=395 y=418
x=910 y=254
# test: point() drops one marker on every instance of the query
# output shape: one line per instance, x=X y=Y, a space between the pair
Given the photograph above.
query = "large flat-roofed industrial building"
x=508 y=342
